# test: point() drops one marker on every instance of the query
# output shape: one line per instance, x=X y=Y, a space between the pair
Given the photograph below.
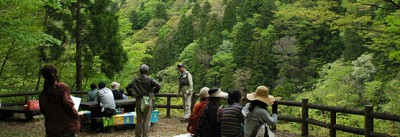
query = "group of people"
x=117 y=93
x=106 y=97
x=209 y=119
x=62 y=119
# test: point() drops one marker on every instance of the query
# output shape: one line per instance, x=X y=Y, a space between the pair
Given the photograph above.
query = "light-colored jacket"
x=251 y=118
x=106 y=98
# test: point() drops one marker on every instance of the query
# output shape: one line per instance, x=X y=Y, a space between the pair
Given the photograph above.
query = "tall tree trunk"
x=78 y=56
x=6 y=57
x=38 y=78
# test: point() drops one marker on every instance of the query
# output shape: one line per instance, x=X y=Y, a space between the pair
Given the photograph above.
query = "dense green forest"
x=339 y=53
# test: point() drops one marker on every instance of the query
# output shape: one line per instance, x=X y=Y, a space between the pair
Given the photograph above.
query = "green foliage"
x=224 y=65
x=242 y=41
x=339 y=53
x=104 y=40
x=161 y=11
x=183 y=36
x=229 y=19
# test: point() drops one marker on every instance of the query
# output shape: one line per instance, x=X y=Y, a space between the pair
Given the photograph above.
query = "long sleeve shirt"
x=106 y=99
x=252 y=118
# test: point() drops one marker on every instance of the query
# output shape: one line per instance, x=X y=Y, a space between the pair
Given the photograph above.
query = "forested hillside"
x=338 y=53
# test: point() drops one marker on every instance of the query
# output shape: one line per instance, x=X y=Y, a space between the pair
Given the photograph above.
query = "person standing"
x=143 y=89
x=232 y=118
x=57 y=107
x=186 y=89
x=106 y=99
x=92 y=95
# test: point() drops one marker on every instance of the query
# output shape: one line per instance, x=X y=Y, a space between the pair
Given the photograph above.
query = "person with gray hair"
x=116 y=91
x=143 y=89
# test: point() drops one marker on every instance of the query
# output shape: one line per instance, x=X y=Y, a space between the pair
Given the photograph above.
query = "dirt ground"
x=166 y=127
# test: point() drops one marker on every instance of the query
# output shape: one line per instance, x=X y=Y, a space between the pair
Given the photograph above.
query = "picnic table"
x=7 y=111
x=127 y=104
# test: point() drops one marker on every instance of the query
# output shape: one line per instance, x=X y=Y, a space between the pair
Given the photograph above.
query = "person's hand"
x=275 y=107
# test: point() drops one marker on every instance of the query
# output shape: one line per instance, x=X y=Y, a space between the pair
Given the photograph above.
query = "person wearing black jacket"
x=143 y=89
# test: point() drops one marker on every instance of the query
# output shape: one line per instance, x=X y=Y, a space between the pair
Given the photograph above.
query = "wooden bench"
x=124 y=119
x=8 y=111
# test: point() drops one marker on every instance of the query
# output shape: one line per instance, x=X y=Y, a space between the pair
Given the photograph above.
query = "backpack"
x=195 y=119
x=261 y=130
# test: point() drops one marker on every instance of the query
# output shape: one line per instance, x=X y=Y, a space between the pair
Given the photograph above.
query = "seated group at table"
x=106 y=97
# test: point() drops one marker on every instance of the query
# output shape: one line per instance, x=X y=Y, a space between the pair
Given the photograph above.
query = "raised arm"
x=266 y=117
x=156 y=86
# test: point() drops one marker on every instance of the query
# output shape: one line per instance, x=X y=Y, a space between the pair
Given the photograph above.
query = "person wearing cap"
x=115 y=90
x=143 y=89
x=256 y=110
x=194 y=119
x=212 y=114
x=186 y=89
x=232 y=118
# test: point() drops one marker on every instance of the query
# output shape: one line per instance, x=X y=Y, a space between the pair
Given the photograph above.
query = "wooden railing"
x=167 y=106
x=368 y=114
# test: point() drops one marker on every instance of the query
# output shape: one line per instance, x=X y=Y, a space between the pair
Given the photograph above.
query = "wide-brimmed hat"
x=204 y=92
x=216 y=92
x=262 y=94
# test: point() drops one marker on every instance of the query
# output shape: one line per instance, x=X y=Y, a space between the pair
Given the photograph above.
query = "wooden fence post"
x=26 y=99
x=332 y=131
x=168 y=105
x=304 y=116
x=369 y=120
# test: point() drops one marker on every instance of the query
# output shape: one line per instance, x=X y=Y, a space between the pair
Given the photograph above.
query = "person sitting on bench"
x=105 y=98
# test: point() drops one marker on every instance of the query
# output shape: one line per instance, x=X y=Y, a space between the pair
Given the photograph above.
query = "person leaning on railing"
x=256 y=111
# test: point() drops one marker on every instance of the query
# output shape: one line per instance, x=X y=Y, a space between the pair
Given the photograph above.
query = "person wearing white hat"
x=212 y=114
x=256 y=110
x=194 y=119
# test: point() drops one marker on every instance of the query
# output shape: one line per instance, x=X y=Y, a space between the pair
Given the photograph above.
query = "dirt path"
x=166 y=127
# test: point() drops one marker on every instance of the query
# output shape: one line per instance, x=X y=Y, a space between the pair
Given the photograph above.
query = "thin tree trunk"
x=38 y=78
x=6 y=57
x=78 y=47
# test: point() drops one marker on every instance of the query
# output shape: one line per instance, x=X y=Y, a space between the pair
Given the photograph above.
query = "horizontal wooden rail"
x=288 y=103
x=304 y=119
x=368 y=113
x=336 y=109
x=386 y=116
x=171 y=106
x=289 y=118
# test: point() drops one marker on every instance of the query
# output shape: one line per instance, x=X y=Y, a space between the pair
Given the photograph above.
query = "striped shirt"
x=232 y=121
